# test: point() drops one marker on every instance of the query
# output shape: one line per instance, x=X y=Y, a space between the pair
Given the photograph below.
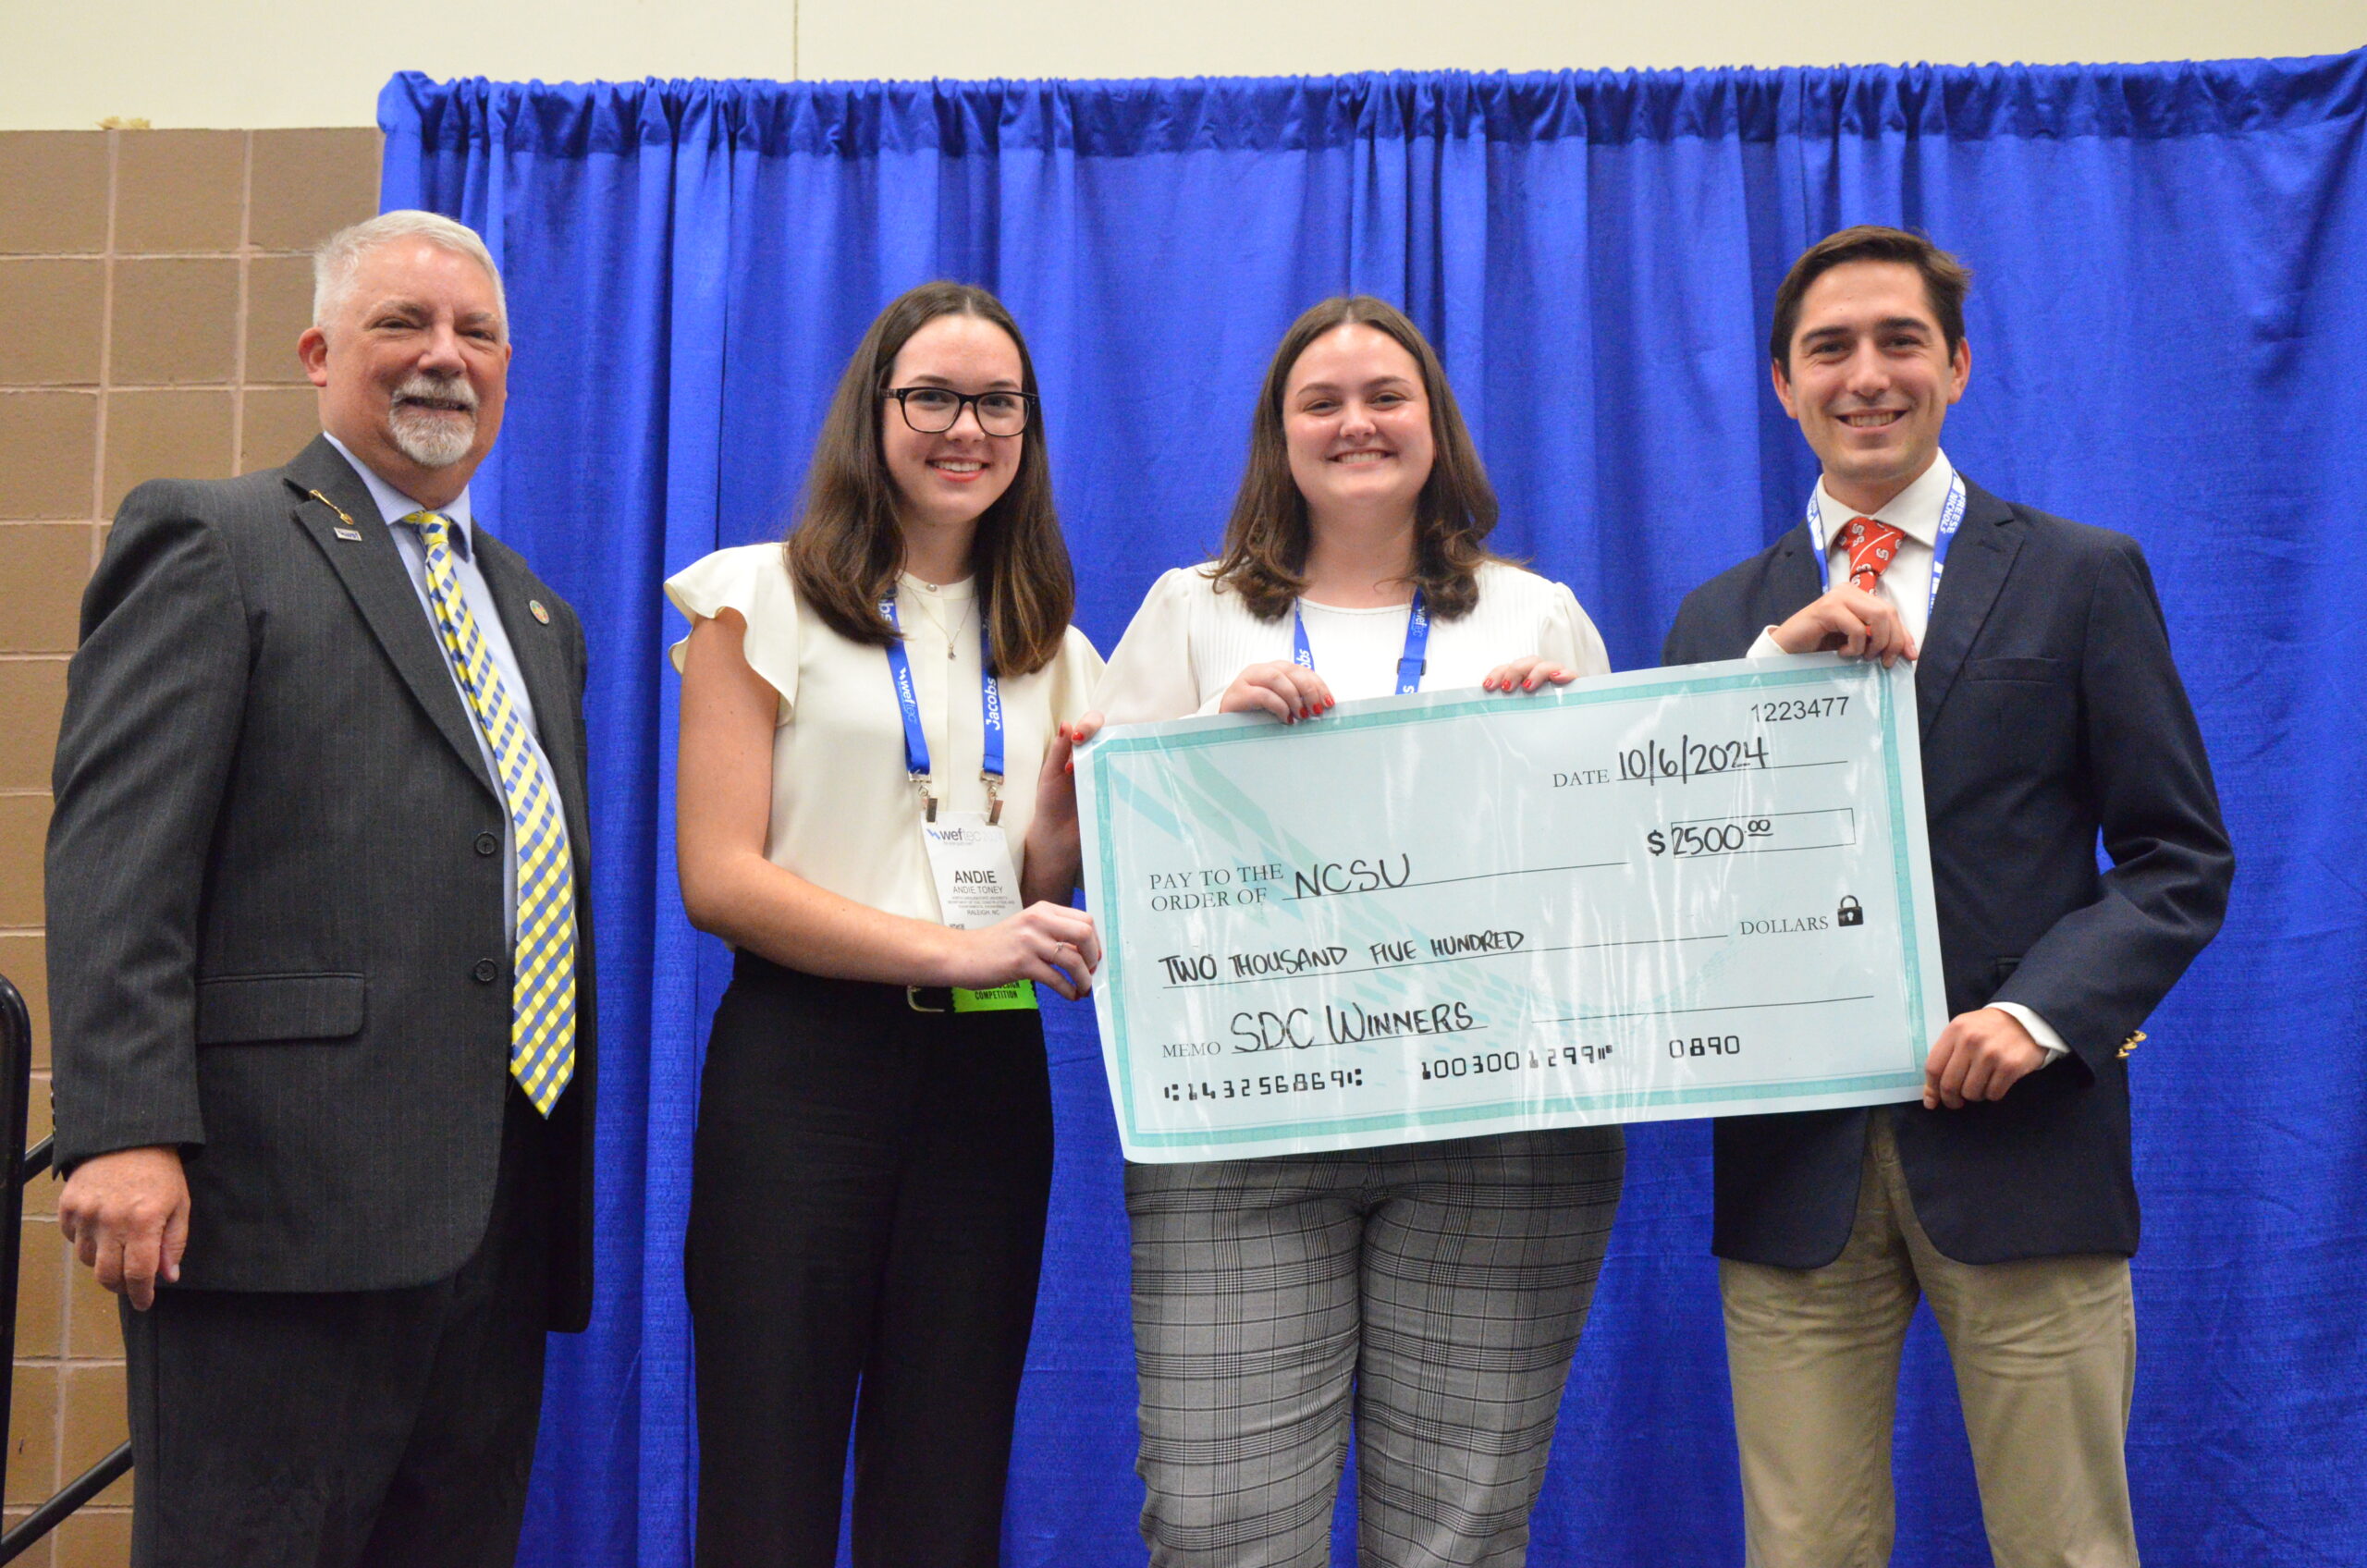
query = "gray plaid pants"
x=1441 y=1285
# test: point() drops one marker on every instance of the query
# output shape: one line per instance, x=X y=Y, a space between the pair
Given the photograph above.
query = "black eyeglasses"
x=933 y=411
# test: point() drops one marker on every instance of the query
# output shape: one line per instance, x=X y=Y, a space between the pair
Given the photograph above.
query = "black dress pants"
x=351 y=1430
x=866 y=1211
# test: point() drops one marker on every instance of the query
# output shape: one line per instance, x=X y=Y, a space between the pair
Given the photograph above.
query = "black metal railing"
x=20 y=1166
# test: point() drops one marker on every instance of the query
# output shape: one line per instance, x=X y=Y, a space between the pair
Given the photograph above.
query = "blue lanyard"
x=1951 y=519
x=900 y=666
x=1409 y=664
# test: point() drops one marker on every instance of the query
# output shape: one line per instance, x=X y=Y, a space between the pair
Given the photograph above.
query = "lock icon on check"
x=1851 y=912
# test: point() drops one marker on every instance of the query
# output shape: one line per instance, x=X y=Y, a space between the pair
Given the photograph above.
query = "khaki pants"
x=2045 y=1352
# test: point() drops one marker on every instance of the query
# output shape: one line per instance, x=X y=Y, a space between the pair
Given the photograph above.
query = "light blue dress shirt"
x=394 y=506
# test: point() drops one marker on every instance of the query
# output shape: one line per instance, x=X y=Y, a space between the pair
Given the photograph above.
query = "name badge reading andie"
x=971 y=860
x=968 y=856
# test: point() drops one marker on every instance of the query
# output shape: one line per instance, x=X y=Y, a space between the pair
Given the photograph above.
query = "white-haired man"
x=320 y=957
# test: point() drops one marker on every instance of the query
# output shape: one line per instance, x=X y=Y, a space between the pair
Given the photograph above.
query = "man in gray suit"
x=320 y=957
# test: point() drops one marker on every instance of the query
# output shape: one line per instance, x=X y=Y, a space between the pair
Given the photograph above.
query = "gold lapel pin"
x=2136 y=1039
x=534 y=608
x=345 y=528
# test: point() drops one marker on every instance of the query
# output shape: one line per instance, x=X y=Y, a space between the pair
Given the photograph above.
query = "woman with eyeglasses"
x=1436 y=1288
x=866 y=713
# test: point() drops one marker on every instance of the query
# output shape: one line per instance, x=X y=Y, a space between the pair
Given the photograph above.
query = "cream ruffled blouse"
x=845 y=815
x=1188 y=642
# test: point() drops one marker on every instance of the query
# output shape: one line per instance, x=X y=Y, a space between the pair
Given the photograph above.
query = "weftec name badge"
x=970 y=859
x=968 y=856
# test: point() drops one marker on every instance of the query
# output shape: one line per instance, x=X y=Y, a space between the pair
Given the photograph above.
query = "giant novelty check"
x=1679 y=892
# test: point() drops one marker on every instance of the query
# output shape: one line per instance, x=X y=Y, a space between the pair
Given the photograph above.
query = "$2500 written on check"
x=1679 y=892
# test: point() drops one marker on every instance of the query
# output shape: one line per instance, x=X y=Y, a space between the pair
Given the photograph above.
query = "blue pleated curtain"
x=2168 y=326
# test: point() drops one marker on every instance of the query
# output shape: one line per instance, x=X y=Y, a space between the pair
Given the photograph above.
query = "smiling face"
x=1356 y=424
x=948 y=479
x=1871 y=379
x=413 y=366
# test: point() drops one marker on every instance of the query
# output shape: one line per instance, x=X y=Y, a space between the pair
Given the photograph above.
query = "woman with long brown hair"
x=1437 y=1287
x=867 y=711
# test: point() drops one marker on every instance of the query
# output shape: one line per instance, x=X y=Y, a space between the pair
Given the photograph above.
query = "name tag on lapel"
x=344 y=527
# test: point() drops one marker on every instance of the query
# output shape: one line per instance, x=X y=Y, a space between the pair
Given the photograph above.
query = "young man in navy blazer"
x=2052 y=713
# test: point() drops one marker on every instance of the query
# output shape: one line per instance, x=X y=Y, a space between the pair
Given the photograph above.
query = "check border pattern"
x=1901 y=757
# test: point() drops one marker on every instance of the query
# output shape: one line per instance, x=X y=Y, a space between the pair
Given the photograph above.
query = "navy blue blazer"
x=2051 y=714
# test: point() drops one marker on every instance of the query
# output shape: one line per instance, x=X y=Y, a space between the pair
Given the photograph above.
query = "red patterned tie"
x=1872 y=546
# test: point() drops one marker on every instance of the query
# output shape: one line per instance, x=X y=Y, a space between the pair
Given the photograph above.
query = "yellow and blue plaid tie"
x=541 y=1009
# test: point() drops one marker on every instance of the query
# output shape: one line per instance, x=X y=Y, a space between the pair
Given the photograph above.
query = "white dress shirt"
x=1905 y=585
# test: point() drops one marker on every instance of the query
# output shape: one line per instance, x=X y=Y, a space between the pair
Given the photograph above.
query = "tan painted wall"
x=151 y=286
x=258 y=64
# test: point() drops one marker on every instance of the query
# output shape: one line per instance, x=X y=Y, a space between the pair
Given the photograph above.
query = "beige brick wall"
x=152 y=287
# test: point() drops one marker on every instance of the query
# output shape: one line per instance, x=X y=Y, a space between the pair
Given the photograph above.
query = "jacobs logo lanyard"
x=916 y=764
x=1409 y=663
x=1951 y=519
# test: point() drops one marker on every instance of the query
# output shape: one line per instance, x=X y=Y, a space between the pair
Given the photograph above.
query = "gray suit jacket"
x=276 y=924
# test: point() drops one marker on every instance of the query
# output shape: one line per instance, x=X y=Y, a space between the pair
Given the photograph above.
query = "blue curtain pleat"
x=2170 y=300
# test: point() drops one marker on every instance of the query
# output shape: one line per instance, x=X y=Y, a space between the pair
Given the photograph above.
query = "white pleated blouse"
x=1188 y=642
x=844 y=814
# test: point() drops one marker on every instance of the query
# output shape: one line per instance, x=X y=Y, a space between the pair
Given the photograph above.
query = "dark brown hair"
x=847 y=545
x=1266 y=538
x=1945 y=280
